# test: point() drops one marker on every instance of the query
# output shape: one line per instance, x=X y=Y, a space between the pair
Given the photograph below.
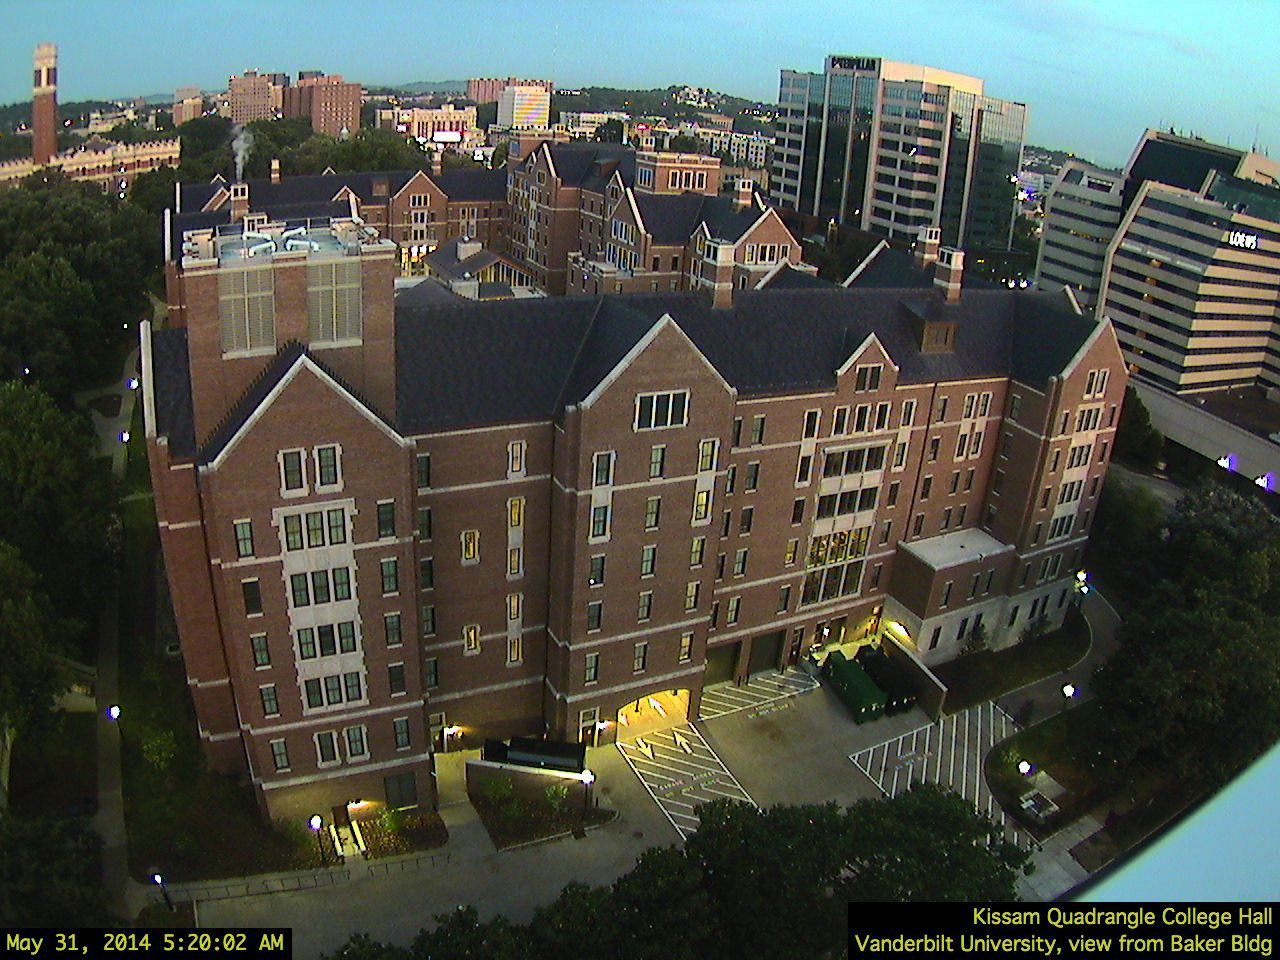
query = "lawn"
x=512 y=821
x=137 y=479
x=984 y=676
x=55 y=770
x=182 y=818
x=1065 y=747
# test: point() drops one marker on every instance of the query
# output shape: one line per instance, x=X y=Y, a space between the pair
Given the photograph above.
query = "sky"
x=1094 y=73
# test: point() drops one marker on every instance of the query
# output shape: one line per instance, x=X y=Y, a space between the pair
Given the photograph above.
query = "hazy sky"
x=1093 y=72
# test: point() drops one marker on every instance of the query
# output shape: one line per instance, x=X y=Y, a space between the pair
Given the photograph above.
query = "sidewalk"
x=1056 y=870
x=126 y=895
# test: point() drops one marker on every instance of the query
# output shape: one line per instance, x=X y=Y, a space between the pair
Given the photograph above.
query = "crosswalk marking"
x=681 y=771
x=722 y=699
x=894 y=765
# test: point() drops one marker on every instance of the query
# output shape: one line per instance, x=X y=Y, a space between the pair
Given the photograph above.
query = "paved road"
x=949 y=752
x=723 y=699
x=681 y=771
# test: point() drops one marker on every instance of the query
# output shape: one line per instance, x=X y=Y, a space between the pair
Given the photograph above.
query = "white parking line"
x=679 y=780
x=984 y=726
x=726 y=698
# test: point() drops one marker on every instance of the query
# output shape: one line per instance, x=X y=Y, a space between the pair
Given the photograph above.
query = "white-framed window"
x=812 y=421
x=908 y=417
x=357 y=743
x=389 y=569
x=686 y=646
x=243 y=530
x=657 y=461
x=701 y=505
x=591 y=668
x=395 y=679
x=707 y=450
x=731 y=612
x=640 y=657
x=270 y=702
x=600 y=521
x=280 y=756
x=515 y=513
x=328 y=461
x=595 y=615
x=293 y=473
x=471 y=639
x=327 y=749
x=400 y=731
x=470 y=544
x=868 y=377
x=422 y=470
x=644 y=608
x=515 y=458
x=657 y=411
x=652 y=512
x=602 y=468
x=515 y=649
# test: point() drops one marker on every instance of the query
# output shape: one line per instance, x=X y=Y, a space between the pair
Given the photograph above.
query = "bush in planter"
x=392 y=821
x=499 y=790
x=557 y=794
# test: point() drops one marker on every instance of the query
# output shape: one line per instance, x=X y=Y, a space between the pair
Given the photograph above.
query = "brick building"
x=417 y=209
x=489 y=89
x=601 y=218
x=445 y=126
x=393 y=526
x=252 y=96
x=44 y=104
x=329 y=102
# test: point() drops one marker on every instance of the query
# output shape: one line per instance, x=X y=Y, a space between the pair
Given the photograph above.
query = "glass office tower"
x=891 y=147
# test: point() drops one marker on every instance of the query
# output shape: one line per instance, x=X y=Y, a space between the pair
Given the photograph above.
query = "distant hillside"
x=661 y=102
x=433 y=86
x=14 y=114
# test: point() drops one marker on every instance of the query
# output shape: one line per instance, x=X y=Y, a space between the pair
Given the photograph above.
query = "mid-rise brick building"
x=329 y=102
x=252 y=96
x=399 y=525
x=489 y=89
x=602 y=218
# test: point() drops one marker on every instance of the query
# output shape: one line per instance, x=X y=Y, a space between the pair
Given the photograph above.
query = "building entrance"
x=721 y=662
x=653 y=711
x=766 y=652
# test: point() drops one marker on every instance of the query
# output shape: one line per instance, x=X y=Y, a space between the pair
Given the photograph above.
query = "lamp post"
x=158 y=880
x=1025 y=767
x=315 y=822
x=113 y=712
x=1069 y=691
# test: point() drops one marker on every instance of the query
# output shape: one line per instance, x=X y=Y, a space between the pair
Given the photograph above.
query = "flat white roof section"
x=957 y=547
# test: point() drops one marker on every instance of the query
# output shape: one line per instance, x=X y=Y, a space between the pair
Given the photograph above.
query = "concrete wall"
x=529 y=783
x=1185 y=422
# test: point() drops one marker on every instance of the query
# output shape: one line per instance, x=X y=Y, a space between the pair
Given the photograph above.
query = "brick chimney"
x=743 y=194
x=948 y=272
x=926 y=247
x=275 y=170
x=239 y=201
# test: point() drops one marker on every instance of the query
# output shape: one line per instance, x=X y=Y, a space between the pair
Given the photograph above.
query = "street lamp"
x=124 y=436
x=315 y=822
x=133 y=383
x=158 y=880
x=113 y=711
x=1025 y=767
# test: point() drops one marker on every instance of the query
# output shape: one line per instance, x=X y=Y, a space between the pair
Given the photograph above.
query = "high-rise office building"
x=523 y=107
x=892 y=147
x=1190 y=267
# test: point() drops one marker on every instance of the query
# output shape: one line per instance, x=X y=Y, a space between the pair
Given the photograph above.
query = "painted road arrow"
x=644 y=747
x=682 y=741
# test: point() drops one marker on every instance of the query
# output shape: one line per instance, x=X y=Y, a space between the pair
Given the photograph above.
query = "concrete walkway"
x=126 y=895
x=1056 y=871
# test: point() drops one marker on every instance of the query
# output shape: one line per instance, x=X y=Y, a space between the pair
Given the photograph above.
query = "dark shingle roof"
x=444 y=258
x=673 y=217
x=893 y=269
x=475 y=364
x=725 y=220
x=789 y=278
x=474 y=183
x=591 y=164
x=174 y=417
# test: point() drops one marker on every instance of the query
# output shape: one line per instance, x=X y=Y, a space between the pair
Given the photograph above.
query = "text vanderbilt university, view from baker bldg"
x=394 y=526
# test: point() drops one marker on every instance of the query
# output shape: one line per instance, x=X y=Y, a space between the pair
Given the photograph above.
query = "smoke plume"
x=241 y=146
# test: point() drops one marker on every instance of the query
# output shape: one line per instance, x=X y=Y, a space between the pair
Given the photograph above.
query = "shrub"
x=557 y=794
x=500 y=789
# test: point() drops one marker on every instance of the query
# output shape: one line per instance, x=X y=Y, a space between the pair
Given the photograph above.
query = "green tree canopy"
x=152 y=190
x=1138 y=443
x=30 y=637
x=683 y=143
x=56 y=500
x=49 y=874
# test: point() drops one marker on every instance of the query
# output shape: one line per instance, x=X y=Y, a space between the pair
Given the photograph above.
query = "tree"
x=1125 y=540
x=111 y=246
x=753 y=860
x=683 y=143
x=49 y=331
x=661 y=908
x=460 y=935
x=56 y=500
x=30 y=636
x=1211 y=528
x=206 y=148
x=609 y=132
x=580 y=915
x=500 y=154
x=929 y=845
x=1195 y=688
x=152 y=191
x=49 y=874
x=1138 y=443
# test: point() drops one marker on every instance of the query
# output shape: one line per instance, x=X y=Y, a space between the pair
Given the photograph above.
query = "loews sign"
x=1238 y=238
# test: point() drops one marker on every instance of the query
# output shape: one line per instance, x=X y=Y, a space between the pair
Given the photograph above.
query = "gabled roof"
x=789 y=278
x=591 y=164
x=444 y=258
x=472 y=183
x=172 y=391
x=261 y=389
x=674 y=217
x=888 y=268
